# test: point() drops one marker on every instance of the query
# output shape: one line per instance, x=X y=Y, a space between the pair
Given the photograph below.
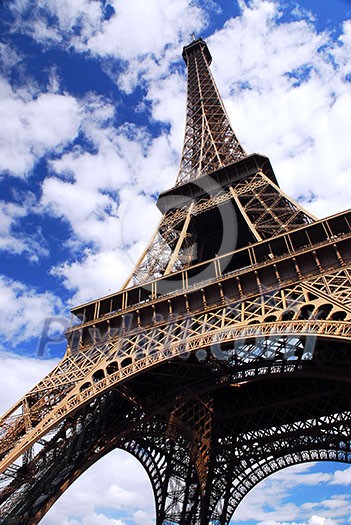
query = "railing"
x=308 y=238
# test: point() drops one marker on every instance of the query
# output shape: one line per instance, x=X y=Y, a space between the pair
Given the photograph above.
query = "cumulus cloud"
x=94 y=275
x=335 y=507
x=32 y=126
x=107 y=30
x=320 y=520
x=141 y=517
x=90 y=519
x=98 y=192
x=136 y=34
x=9 y=58
x=54 y=22
x=277 y=500
x=167 y=97
x=123 y=487
x=152 y=25
x=301 y=474
x=24 y=310
x=12 y=239
x=18 y=375
x=314 y=520
x=288 y=97
x=341 y=477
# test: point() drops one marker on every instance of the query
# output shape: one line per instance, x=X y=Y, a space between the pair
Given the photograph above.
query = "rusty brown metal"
x=225 y=356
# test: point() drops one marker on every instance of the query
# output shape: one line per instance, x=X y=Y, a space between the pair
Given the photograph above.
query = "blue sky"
x=92 y=108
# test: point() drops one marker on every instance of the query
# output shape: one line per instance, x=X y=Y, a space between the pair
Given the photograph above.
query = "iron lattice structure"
x=223 y=359
x=210 y=142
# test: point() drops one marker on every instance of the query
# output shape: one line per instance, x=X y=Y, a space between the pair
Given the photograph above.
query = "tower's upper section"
x=209 y=143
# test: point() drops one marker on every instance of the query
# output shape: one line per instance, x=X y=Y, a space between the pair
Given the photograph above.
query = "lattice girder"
x=109 y=432
x=266 y=210
x=287 y=312
x=209 y=143
x=265 y=450
x=174 y=479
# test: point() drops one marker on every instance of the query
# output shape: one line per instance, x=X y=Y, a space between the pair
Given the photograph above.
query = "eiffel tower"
x=224 y=358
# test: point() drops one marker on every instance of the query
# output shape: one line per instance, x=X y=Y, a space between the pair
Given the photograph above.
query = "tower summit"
x=225 y=357
x=209 y=142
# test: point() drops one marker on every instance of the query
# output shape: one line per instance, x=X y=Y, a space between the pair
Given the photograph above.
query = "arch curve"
x=249 y=478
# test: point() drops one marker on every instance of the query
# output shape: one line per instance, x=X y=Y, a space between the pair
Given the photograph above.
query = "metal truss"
x=213 y=367
x=172 y=247
x=274 y=416
x=266 y=209
x=273 y=334
x=209 y=143
x=163 y=451
x=289 y=310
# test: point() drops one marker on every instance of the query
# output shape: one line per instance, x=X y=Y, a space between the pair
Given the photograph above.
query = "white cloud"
x=167 y=97
x=18 y=375
x=314 y=520
x=341 y=477
x=9 y=57
x=121 y=240
x=91 y=214
x=337 y=506
x=274 y=501
x=24 y=310
x=95 y=274
x=342 y=51
x=141 y=517
x=131 y=30
x=116 y=483
x=53 y=22
x=320 y=520
x=101 y=194
x=32 y=126
x=12 y=239
x=139 y=28
x=287 y=97
x=301 y=475
x=91 y=519
x=137 y=33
